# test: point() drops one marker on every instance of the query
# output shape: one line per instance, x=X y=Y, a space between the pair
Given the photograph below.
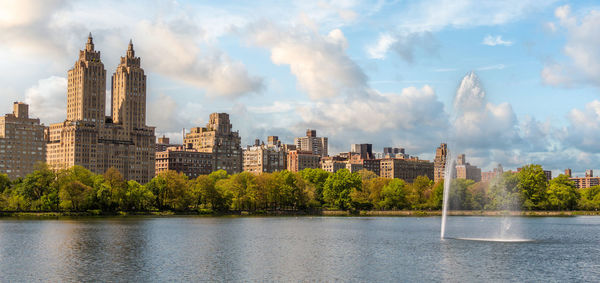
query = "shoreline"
x=324 y=213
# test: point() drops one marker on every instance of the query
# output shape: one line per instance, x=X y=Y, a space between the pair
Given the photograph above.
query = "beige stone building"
x=298 y=160
x=439 y=163
x=218 y=138
x=312 y=143
x=464 y=170
x=187 y=161
x=22 y=143
x=405 y=169
x=90 y=139
x=333 y=163
x=261 y=158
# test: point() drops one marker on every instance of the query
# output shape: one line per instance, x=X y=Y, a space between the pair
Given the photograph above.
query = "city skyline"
x=377 y=84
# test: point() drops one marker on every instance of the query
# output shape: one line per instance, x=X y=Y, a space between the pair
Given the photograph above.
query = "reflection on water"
x=292 y=249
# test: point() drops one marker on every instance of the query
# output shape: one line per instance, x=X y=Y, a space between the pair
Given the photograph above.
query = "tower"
x=86 y=92
x=440 y=162
x=128 y=86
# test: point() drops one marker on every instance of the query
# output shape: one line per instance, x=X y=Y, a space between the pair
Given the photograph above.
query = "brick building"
x=22 y=143
x=187 y=161
x=439 y=167
x=405 y=169
x=261 y=158
x=298 y=160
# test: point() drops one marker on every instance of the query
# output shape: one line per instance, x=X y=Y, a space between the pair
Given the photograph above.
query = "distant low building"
x=464 y=170
x=488 y=176
x=298 y=160
x=190 y=162
x=405 y=169
x=584 y=182
x=333 y=163
x=261 y=158
x=21 y=142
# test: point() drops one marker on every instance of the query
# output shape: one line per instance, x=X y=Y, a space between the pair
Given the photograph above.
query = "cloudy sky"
x=513 y=82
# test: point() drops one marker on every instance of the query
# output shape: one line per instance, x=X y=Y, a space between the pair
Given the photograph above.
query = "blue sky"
x=509 y=82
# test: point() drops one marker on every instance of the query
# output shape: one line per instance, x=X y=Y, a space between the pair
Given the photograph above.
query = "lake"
x=345 y=249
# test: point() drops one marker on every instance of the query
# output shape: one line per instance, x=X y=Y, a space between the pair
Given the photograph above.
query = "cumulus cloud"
x=176 y=47
x=172 y=49
x=495 y=40
x=581 y=49
x=396 y=118
x=319 y=62
x=583 y=131
x=48 y=99
x=404 y=45
x=480 y=126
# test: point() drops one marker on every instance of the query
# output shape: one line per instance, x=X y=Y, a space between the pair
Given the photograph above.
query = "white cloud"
x=276 y=107
x=379 y=50
x=319 y=62
x=48 y=99
x=172 y=50
x=583 y=131
x=495 y=40
x=479 y=124
x=581 y=49
x=432 y=16
x=492 y=67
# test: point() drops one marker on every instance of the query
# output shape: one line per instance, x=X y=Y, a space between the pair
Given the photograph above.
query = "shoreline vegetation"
x=78 y=192
x=322 y=213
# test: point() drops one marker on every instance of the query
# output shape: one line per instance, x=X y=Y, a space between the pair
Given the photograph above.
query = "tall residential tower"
x=89 y=138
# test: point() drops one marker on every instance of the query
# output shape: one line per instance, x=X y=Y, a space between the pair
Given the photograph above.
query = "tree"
x=75 y=195
x=562 y=194
x=394 y=195
x=459 y=195
x=4 y=183
x=137 y=197
x=171 y=190
x=36 y=185
x=417 y=192
x=436 y=199
x=338 y=186
x=533 y=184
x=590 y=198
x=317 y=178
x=117 y=188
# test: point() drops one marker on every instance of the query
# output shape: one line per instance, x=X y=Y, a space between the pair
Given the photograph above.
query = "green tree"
x=338 y=186
x=394 y=195
x=417 y=192
x=75 y=195
x=459 y=195
x=138 y=197
x=533 y=184
x=317 y=178
x=590 y=198
x=4 y=183
x=562 y=194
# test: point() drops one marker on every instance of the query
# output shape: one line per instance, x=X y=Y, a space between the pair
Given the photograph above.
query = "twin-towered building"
x=98 y=142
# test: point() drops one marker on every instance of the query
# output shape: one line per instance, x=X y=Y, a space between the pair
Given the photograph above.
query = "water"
x=293 y=249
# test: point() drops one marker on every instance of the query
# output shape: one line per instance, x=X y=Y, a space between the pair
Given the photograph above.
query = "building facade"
x=405 y=169
x=439 y=163
x=298 y=160
x=464 y=170
x=22 y=143
x=90 y=139
x=312 y=143
x=333 y=163
x=365 y=150
x=218 y=138
x=187 y=161
x=261 y=158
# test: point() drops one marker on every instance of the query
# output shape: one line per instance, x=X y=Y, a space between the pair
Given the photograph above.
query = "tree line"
x=77 y=189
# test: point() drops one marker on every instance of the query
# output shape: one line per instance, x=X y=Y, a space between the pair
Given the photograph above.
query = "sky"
x=511 y=82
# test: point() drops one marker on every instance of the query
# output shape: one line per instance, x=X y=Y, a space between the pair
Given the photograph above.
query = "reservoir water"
x=345 y=249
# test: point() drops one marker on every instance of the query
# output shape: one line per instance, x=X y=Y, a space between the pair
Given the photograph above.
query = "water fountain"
x=471 y=110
